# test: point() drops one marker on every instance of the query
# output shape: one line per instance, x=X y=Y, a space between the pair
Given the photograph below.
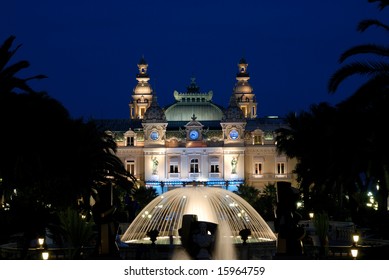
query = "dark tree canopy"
x=48 y=160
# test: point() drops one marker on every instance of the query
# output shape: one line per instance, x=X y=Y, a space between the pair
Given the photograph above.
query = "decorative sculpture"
x=155 y=165
x=234 y=163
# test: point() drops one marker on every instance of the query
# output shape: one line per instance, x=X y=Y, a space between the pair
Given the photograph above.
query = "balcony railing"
x=194 y=175
x=174 y=175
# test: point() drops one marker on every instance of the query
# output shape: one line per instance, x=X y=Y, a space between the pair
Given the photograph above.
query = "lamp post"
x=354 y=252
x=45 y=255
x=43 y=248
x=354 y=247
x=41 y=240
x=355 y=238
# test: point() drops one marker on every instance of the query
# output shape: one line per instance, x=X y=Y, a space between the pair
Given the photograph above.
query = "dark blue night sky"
x=89 y=49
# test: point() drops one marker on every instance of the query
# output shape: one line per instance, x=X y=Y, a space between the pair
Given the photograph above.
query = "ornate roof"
x=233 y=112
x=193 y=102
x=204 y=111
x=154 y=113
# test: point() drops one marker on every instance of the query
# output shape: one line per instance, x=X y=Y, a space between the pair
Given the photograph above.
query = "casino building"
x=197 y=142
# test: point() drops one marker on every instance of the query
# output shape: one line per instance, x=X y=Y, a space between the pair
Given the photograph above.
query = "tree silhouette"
x=367 y=103
x=49 y=161
x=9 y=82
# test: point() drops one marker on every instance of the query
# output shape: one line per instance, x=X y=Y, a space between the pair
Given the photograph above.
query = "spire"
x=142 y=66
x=242 y=65
x=142 y=92
x=193 y=87
x=243 y=92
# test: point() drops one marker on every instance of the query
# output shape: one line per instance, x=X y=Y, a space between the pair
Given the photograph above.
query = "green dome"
x=204 y=111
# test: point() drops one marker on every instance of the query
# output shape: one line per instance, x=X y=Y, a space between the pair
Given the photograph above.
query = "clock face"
x=154 y=135
x=234 y=134
x=193 y=134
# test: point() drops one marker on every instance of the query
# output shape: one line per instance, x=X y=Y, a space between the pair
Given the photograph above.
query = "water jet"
x=227 y=210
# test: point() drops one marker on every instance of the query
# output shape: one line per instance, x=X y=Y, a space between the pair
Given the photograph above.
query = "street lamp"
x=311 y=215
x=354 y=252
x=355 y=238
x=41 y=240
x=45 y=255
x=354 y=247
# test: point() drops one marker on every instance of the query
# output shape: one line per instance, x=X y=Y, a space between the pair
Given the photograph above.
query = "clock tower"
x=194 y=133
x=233 y=124
x=154 y=125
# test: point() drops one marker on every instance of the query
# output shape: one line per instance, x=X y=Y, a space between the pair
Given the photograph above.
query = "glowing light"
x=45 y=255
x=354 y=252
x=40 y=242
x=215 y=205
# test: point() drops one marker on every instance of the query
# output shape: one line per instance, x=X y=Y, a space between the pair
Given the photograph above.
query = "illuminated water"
x=216 y=205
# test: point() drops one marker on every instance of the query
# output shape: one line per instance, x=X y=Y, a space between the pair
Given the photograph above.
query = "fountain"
x=227 y=210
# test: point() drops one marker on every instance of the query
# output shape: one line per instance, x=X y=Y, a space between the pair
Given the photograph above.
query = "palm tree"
x=368 y=101
x=8 y=80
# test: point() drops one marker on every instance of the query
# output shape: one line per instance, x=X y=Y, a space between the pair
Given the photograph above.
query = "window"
x=281 y=168
x=257 y=140
x=132 y=111
x=194 y=165
x=130 y=141
x=214 y=168
x=173 y=168
x=244 y=110
x=130 y=166
x=142 y=112
x=258 y=168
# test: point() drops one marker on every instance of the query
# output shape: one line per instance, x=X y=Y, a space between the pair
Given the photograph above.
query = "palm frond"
x=372 y=89
x=36 y=77
x=365 y=49
x=360 y=68
x=5 y=52
x=382 y=3
x=365 y=24
x=11 y=70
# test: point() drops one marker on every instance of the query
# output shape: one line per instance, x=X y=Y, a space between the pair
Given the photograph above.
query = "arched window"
x=194 y=165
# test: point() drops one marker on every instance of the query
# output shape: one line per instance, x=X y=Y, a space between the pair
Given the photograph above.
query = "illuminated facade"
x=197 y=142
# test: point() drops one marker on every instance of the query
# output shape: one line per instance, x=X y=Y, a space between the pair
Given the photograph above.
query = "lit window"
x=257 y=140
x=281 y=168
x=194 y=165
x=258 y=168
x=130 y=166
x=214 y=168
x=173 y=168
x=130 y=141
